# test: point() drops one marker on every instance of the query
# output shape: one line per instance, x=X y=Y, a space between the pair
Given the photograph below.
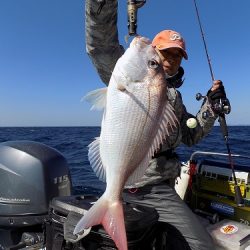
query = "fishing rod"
x=222 y=108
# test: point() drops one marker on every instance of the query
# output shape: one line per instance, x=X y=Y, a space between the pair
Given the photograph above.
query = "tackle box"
x=230 y=235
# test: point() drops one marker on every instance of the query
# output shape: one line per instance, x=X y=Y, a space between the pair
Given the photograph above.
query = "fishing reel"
x=133 y=5
x=220 y=107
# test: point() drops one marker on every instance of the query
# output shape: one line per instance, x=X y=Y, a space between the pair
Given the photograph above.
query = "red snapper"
x=137 y=119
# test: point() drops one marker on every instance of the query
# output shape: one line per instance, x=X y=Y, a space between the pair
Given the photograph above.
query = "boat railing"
x=208 y=153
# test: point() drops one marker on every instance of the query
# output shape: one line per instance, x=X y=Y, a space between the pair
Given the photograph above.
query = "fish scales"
x=136 y=119
x=131 y=135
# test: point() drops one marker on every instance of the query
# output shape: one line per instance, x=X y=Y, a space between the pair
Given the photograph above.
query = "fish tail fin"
x=113 y=222
x=110 y=215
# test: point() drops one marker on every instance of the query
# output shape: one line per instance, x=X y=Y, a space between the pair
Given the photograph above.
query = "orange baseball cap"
x=169 y=39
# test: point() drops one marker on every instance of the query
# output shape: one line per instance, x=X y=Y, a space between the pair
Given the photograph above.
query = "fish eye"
x=153 y=64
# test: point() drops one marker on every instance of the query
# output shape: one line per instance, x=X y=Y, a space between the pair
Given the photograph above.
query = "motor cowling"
x=31 y=174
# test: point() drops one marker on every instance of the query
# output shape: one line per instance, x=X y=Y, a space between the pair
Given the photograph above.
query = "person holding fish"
x=144 y=121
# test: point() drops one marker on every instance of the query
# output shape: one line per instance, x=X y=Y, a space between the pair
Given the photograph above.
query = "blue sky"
x=44 y=69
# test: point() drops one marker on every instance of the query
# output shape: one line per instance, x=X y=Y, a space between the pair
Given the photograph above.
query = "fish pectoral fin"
x=97 y=98
x=110 y=215
x=95 y=159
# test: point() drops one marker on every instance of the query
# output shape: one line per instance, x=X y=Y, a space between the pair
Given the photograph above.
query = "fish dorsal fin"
x=95 y=159
x=166 y=125
x=97 y=98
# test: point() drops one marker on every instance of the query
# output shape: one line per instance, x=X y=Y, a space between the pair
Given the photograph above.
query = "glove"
x=216 y=92
x=218 y=99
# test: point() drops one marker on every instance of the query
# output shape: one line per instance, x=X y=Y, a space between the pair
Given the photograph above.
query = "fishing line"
x=222 y=120
x=204 y=41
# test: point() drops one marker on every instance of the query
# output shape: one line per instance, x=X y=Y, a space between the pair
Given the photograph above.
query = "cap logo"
x=175 y=36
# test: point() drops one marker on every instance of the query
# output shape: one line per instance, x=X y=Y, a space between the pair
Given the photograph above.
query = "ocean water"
x=72 y=142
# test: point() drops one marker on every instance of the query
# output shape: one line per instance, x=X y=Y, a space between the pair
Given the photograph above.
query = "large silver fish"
x=136 y=120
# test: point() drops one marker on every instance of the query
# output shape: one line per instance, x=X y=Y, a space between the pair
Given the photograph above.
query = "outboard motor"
x=31 y=174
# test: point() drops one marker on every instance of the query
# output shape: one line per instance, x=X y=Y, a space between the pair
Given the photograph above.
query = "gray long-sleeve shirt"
x=103 y=47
